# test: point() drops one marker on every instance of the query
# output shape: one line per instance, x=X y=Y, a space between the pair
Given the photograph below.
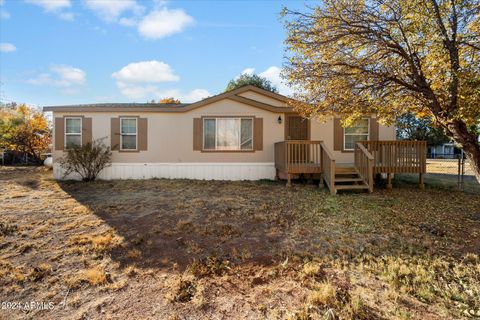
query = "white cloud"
x=57 y=7
x=273 y=75
x=67 y=77
x=110 y=10
x=68 y=16
x=248 y=71
x=146 y=72
x=51 y=5
x=4 y=14
x=139 y=80
x=164 y=22
x=7 y=47
x=128 y=22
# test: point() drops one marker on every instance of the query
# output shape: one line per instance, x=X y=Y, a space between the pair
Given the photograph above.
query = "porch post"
x=421 y=181
x=289 y=180
x=389 y=181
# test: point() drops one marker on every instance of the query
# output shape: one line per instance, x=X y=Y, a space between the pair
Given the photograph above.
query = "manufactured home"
x=244 y=134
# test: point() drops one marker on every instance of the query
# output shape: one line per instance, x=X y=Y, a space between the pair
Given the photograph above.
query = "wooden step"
x=345 y=170
x=351 y=186
x=348 y=179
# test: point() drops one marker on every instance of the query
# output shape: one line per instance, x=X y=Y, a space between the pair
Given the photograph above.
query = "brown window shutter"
x=59 y=133
x=115 y=133
x=142 y=134
x=197 y=134
x=373 y=129
x=86 y=130
x=258 y=134
x=337 y=135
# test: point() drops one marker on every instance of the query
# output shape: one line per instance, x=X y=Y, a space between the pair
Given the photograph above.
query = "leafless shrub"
x=88 y=160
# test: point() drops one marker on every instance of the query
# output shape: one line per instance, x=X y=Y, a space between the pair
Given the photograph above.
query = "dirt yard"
x=179 y=249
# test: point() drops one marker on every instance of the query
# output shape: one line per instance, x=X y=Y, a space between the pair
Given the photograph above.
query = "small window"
x=73 y=132
x=228 y=134
x=128 y=133
x=358 y=132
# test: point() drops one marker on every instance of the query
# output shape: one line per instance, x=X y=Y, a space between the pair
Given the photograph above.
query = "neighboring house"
x=230 y=136
x=442 y=151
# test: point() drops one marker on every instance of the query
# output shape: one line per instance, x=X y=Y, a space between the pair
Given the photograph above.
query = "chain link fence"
x=450 y=171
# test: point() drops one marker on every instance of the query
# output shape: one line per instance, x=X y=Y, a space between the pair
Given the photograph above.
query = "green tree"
x=390 y=57
x=410 y=127
x=251 y=79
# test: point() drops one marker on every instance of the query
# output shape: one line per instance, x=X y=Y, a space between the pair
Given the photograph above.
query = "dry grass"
x=324 y=295
x=236 y=250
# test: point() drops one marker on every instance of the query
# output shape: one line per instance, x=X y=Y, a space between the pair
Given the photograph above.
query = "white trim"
x=71 y=134
x=239 y=137
x=356 y=134
x=129 y=134
x=183 y=170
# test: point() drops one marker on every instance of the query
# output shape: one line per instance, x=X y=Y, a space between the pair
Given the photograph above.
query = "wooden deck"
x=294 y=157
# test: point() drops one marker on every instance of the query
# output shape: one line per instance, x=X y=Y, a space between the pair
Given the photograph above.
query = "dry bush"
x=311 y=270
x=134 y=254
x=7 y=229
x=324 y=295
x=93 y=276
x=185 y=290
x=209 y=266
x=91 y=243
x=88 y=160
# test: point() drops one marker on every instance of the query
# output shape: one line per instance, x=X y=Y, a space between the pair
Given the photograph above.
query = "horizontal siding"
x=196 y=171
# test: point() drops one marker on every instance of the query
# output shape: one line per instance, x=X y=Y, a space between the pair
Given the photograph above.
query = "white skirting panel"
x=197 y=171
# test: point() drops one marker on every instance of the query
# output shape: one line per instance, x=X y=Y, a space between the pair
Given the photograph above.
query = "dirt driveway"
x=183 y=249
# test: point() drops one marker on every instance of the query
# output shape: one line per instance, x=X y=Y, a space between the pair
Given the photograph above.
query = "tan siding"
x=59 y=133
x=142 y=134
x=262 y=98
x=197 y=134
x=337 y=135
x=115 y=133
x=258 y=134
x=86 y=130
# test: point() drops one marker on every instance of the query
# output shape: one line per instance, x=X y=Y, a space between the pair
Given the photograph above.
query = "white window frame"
x=71 y=134
x=129 y=134
x=239 y=137
x=356 y=134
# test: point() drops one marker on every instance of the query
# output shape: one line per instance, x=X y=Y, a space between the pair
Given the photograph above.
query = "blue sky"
x=89 y=51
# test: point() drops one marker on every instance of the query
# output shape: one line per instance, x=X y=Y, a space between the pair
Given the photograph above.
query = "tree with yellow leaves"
x=390 y=57
x=169 y=100
x=25 y=130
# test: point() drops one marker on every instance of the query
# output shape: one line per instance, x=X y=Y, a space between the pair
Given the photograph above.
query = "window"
x=73 y=132
x=359 y=131
x=228 y=134
x=128 y=133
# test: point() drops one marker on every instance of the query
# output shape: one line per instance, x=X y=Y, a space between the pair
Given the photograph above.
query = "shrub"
x=87 y=161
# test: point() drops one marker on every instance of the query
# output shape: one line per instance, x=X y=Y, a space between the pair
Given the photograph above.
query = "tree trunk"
x=469 y=142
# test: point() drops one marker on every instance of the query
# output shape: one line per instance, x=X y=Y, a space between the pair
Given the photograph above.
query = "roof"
x=182 y=107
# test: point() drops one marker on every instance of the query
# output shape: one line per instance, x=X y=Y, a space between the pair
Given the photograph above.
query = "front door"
x=297 y=128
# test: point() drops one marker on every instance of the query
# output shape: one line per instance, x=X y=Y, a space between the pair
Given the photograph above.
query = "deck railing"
x=298 y=156
x=363 y=162
x=398 y=156
x=328 y=168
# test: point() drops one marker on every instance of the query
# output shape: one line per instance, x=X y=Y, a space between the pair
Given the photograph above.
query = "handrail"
x=363 y=162
x=328 y=168
x=397 y=156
